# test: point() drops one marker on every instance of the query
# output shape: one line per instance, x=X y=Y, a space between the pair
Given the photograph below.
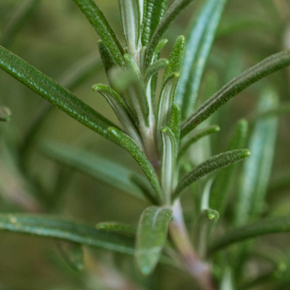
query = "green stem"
x=197 y=268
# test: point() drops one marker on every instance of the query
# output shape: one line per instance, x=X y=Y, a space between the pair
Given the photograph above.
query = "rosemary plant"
x=155 y=100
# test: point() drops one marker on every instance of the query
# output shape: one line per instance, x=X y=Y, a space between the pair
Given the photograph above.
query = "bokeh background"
x=56 y=38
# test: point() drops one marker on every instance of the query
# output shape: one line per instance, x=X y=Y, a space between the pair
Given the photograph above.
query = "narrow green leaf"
x=101 y=25
x=116 y=227
x=196 y=136
x=175 y=122
x=175 y=58
x=197 y=50
x=216 y=162
x=238 y=84
x=159 y=9
x=252 y=230
x=256 y=171
x=53 y=92
x=107 y=59
x=153 y=13
x=73 y=254
x=5 y=114
x=165 y=102
x=95 y=166
x=169 y=151
x=151 y=237
x=160 y=46
x=124 y=114
x=65 y=230
x=154 y=68
x=127 y=143
x=172 y=12
x=18 y=17
x=131 y=23
x=224 y=179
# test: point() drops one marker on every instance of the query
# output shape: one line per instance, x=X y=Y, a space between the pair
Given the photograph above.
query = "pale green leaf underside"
x=255 y=229
x=238 y=84
x=216 y=162
x=95 y=166
x=53 y=92
x=61 y=229
x=151 y=237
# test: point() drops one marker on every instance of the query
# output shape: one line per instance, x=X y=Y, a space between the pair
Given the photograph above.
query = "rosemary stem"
x=197 y=268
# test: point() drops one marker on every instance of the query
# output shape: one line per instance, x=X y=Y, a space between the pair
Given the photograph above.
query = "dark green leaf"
x=128 y=143
x=60 y=229
x=216 y=162
x=153 y=12
x=238 y=84
x=101 y=25
x=53 y=92
x=151 y=237
x=176 y=57
x=95 y=166
x=252 y=230
x=173 y=11
x=175 y=122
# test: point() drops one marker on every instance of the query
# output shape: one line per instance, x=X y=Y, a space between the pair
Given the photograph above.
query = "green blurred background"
x=55 y=36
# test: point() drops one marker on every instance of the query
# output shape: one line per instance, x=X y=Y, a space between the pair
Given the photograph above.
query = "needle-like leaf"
x=53 y=92
x=169 y=152
x=238 y=84
x=197 y=49
x=224 y=179
x=131 y=23
x=104 y=30
x=175 y=122
x=154 y=68
x=175 y=58
x=216 y=162
x=128 y=143
x=256 y=170
x=170 y=15
x=121 y=110
x=153 y=13
x=98 y=167
x=60 y=229
x=252 y=230
x=151 y=237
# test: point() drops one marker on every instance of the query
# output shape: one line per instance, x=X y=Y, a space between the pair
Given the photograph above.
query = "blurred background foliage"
x=57 y=39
